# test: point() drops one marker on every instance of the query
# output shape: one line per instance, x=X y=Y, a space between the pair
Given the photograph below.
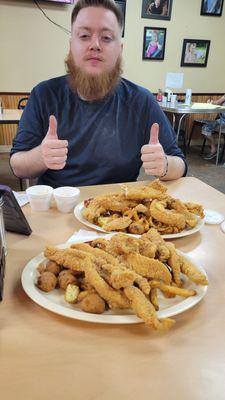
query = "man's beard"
x=89 y=86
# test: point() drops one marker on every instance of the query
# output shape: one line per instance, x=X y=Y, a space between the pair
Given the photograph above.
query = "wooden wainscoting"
x=10 y=100
x=8 y=131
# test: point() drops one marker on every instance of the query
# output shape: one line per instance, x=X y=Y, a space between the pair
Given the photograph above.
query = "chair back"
x=22 y=103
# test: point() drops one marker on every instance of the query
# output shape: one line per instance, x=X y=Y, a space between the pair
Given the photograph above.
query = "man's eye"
x=84 y=36
x=107 y=38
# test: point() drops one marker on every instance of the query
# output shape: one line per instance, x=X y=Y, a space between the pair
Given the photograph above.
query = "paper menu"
x=205 y=106
x=174 y=80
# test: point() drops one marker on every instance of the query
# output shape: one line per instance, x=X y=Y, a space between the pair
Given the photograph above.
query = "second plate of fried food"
x=136 y=209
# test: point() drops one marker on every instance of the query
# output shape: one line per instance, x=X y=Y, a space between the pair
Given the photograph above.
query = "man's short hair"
x=108 y=4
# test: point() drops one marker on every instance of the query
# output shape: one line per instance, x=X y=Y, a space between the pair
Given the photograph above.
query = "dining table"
x=182 y=111
x=45 y=355
x=8 y=117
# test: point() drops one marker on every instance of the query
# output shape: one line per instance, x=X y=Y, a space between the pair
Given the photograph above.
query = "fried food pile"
x=123 y=272
x=137 y=209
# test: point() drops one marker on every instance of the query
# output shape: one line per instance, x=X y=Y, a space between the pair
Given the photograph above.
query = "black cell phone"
x=14 y=218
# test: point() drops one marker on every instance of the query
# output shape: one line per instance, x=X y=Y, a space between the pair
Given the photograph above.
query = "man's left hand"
x=152 y=154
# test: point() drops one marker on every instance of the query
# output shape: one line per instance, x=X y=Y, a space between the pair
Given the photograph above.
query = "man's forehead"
x=105 y=19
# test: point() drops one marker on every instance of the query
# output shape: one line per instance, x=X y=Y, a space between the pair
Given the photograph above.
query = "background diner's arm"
x=220 y=101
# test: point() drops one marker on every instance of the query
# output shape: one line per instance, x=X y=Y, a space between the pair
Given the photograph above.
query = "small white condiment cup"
x=39 y=197
x=66 y=198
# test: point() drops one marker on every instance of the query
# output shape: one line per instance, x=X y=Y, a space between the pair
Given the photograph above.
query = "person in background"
x=92 y=126
x=210 y=126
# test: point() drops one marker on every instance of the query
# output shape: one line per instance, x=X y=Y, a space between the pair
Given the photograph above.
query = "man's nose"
x=95 y=44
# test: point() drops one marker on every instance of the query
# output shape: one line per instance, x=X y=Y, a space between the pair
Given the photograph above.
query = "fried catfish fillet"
x=192 y=272
x=114 y=224
x=119 y=276
x=195 y=209
x=145 y=310
x=148 y=267
x=122 y=278
x=123 y=244
x=190 y=218
x=143 y=193
x=175 y=263
x=81 y=261
x=147 y=248
x=117 y=203
x=167 y=217
x=162 y=251
x=106 y=203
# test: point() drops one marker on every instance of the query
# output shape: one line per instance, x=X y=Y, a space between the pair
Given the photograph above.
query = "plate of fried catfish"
x=136 y=209
x=116 y=279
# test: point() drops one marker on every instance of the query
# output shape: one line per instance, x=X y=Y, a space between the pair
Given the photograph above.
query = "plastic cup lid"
x=223 y=226
x=213 y=217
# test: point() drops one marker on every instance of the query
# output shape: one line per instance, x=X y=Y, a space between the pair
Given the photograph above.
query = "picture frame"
x=122 y=6
x=195 y=53
x=154 y=42
x=212 y=8
x=157 y=9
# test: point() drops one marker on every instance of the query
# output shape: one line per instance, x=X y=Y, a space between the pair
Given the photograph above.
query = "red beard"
x=92 y=87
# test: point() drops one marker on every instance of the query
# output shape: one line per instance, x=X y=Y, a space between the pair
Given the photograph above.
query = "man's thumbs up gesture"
x=152 y=155
x=54 y=151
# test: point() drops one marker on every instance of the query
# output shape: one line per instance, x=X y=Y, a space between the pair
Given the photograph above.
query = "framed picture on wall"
x=122 y=6
x=154 y=43
x=157 y=9
x=212 y=7
x=195 y=53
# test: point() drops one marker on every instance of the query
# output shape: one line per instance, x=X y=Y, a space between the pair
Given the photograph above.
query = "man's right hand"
x=54 y=151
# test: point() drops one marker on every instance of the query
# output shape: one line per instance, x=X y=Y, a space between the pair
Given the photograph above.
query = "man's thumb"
x=52 y=129
x=154 y=134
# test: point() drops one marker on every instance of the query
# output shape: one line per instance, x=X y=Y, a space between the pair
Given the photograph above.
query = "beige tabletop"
x=47 y=356
x=10 y=116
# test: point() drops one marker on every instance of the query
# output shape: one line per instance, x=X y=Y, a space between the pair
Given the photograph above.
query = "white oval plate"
x=186 y=232
x=54 y=300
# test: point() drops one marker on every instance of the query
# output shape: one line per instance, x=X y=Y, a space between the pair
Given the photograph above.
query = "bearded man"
x=92 y=126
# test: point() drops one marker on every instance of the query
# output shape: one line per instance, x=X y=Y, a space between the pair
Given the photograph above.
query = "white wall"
x=32 y=49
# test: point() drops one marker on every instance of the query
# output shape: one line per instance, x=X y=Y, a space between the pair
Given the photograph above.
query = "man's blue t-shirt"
x=105 y=137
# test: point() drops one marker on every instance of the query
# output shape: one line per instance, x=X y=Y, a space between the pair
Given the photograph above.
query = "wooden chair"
x=22 y=103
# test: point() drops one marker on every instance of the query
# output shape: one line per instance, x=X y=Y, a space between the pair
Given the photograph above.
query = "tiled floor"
x=207 y=171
